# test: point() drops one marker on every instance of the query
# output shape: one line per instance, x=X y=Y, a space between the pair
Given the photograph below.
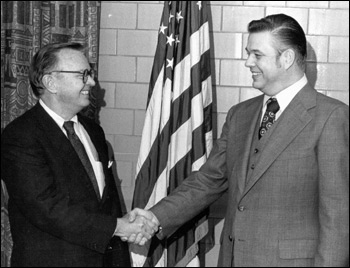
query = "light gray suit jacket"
x=293 y=208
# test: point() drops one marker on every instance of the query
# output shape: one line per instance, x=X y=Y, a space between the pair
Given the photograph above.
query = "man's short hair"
x=287 y=33
x=44 y=61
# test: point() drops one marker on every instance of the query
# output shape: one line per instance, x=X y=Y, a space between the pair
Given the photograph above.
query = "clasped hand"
x=138 y=226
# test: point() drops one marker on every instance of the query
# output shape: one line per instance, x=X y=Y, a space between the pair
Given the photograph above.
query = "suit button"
x=241 y=208
x=256 y=150
x=110 y=247
x=252 y=166
x=230 y=237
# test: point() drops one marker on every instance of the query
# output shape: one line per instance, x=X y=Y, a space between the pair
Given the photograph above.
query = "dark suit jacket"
x=56 y=218
x=292 y=207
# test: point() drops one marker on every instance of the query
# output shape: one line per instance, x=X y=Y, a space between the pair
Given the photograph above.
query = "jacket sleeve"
x=333 y=162
x=198 y=191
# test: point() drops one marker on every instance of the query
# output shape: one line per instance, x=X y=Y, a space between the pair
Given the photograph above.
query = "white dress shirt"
x=86 y=141
x=285 y=96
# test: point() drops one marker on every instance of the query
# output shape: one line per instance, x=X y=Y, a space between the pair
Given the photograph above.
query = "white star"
x=170 y=17
x=178 y=16
x=170 y=63
x=199 y=3
x=170 y=40
x=162 y=28
x=177 y=40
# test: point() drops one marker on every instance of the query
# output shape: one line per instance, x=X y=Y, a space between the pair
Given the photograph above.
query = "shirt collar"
x=58 y=119
x=285 y=96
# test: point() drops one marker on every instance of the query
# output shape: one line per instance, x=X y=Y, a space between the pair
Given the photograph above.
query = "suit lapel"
x=288 y=126
x=58 y=141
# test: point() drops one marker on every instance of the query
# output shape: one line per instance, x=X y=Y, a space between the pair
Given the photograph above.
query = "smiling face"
x=71 y=93
x=265 y=63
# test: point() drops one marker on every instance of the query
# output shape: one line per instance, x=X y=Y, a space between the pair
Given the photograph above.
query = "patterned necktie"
x=269 y=116
x=79 y=148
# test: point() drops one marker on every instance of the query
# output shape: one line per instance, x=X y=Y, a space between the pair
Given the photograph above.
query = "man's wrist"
x=117 y=227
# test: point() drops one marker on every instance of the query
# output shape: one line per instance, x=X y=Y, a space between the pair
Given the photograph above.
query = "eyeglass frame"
x=85 y=73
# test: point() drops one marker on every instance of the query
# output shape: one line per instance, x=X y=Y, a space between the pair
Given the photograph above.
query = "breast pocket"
x=296 y=153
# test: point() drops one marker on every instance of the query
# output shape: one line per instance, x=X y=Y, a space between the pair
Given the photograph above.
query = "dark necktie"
x=79 y=148
x=269 y=116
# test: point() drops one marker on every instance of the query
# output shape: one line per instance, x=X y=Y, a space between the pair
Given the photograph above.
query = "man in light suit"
x=64 y=208
x=286 y=173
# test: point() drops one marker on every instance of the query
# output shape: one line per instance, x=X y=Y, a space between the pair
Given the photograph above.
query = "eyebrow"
x=254 y=51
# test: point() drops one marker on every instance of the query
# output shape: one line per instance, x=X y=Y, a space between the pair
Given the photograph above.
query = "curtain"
x=26 y=26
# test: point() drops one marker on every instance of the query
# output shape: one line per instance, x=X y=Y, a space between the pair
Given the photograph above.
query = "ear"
x=49 y=83
x=288 y=58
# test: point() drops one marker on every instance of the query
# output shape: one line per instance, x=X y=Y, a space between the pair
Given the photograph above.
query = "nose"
x=90 y=81
x=250 y=61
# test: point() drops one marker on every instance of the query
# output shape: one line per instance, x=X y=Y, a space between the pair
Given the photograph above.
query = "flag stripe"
x=152 y=167
x=182 y=73
x=196 y=142
x=152 y=119
x=187 y=160
x=200 y=232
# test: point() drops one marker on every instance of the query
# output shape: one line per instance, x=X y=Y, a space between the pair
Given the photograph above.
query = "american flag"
x=177 y=133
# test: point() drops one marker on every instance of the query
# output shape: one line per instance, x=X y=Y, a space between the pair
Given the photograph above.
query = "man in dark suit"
x=64 y=207
x=283 y=157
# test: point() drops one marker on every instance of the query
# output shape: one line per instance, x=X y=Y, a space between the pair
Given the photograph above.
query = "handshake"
x=138 y=226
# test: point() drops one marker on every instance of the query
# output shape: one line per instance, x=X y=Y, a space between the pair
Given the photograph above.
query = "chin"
x=85 y=103
x=257 y=86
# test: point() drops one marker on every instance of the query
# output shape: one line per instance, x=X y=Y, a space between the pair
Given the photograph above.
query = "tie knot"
x=272 y=105
x=69 y=127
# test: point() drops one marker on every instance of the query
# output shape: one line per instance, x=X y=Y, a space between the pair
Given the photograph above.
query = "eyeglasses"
x=85 y=73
